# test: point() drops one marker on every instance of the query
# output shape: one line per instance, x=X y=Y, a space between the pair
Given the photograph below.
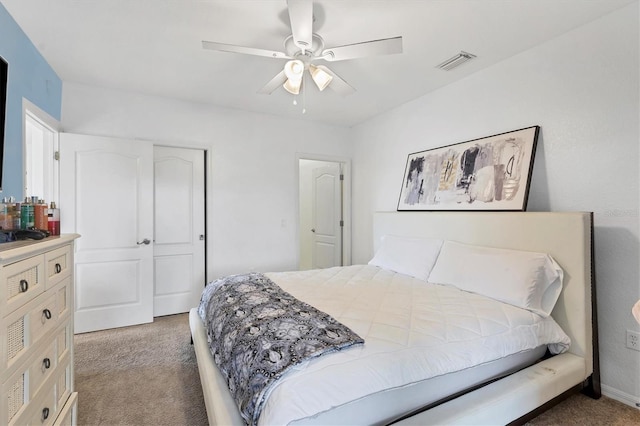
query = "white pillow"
x=410 y=256
x=525 y=279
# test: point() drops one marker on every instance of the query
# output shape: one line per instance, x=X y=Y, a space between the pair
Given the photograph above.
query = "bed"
x=513 y=387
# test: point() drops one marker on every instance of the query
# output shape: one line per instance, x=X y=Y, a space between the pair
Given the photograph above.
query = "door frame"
x=346 y=201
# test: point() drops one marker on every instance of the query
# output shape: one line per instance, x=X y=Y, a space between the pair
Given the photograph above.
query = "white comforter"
x=413 y=331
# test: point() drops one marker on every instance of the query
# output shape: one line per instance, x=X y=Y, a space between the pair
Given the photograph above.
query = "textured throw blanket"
x=257 y=331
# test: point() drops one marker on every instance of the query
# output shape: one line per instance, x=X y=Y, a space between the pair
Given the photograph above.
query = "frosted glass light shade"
x=292 y=87
x=320 y=77
x=636 y=311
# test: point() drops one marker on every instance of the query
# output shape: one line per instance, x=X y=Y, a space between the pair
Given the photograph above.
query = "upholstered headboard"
x=566 y=236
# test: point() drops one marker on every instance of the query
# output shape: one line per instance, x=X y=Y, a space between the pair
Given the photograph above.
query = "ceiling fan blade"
x=301 y=17
x=212 y=45
x=387 y=46
x=275 y=82
x=337 y=84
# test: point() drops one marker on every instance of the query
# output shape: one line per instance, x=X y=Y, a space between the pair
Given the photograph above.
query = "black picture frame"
x=492 y=173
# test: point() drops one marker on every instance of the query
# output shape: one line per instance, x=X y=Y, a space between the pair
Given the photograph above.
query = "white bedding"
x=413 y=331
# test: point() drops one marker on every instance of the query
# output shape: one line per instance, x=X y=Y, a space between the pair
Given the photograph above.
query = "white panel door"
x=179 y=241
x=106 y=196
x=326 y=216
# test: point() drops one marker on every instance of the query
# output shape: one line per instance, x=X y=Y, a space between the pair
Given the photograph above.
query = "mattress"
x=422 y=342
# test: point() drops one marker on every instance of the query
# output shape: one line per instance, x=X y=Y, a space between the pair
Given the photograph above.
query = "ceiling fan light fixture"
x=320 y=77
x=293 y=70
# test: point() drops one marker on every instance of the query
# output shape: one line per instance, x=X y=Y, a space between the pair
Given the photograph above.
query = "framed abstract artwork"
x=490 y=173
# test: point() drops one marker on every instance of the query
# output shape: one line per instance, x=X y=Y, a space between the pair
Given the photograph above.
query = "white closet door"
x=106 y=196
x=179 y=240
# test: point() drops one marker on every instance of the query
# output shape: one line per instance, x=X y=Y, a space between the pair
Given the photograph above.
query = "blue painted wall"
x=30 y=77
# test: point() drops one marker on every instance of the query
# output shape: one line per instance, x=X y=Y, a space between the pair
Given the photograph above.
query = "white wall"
x=582 y=89
x=253 y=190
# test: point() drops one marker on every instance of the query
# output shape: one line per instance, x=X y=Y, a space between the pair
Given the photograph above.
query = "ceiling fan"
x=303 y=48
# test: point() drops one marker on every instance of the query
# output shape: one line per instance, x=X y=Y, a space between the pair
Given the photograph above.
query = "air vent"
x=456 y=61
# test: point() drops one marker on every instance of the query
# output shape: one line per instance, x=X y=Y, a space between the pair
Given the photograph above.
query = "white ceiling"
x=154 y=46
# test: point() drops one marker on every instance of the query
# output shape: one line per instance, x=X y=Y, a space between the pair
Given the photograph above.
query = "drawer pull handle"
x=45 y=413
x=47 y=314
x=46 y=363
x=24 y=286
x=58 y=268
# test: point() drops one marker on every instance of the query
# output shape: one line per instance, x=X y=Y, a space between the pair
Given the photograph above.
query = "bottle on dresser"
x=54 y=219
x=41 y=215
x=11 y=214
x=26 y=214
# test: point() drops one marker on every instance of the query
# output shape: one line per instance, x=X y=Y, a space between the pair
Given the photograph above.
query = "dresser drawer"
x=58 y=265
x=21 y=282
x=42 y=367
x=43 y=318
x=26 y=326
x=41 y=411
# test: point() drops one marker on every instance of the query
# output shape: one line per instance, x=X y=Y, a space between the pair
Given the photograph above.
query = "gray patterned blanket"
x=257 y=332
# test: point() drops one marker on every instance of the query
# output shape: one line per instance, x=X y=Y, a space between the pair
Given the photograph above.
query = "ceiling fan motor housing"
x=317 y=46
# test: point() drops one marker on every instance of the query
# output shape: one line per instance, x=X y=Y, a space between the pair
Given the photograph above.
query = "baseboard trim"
x=620 y=396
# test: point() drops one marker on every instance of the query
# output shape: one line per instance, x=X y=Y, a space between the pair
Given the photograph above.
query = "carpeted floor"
x=580 y=410
x=147 y=375
x=140 y=375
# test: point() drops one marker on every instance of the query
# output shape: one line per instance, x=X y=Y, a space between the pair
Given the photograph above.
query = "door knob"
x=313 y=229
x=146 y=241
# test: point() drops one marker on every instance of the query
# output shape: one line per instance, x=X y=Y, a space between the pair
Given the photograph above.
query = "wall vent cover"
x=456 y=61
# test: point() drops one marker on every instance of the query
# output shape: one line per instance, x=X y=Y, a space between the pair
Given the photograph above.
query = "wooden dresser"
x=36 y=310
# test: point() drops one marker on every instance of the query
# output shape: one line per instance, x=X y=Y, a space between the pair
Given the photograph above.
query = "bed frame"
x=516 y=398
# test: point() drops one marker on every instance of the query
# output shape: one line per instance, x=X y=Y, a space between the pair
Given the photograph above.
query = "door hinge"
x=341 y=177
x=342 y=223
x=56 y=155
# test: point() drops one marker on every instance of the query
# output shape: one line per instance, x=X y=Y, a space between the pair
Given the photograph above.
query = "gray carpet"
x=580 y=410
x=147 y=375
x=140 y=375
